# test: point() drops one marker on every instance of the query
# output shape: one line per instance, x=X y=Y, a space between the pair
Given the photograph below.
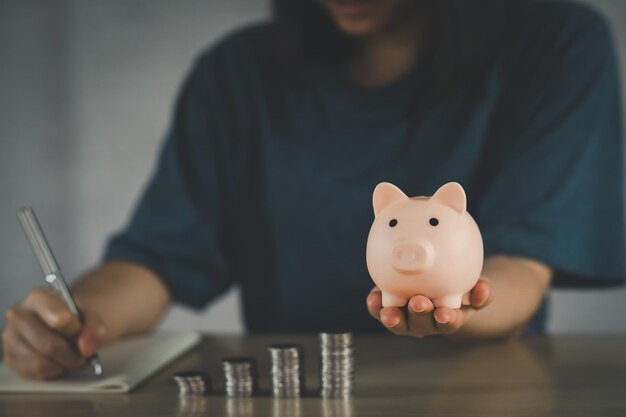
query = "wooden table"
x=395 y=376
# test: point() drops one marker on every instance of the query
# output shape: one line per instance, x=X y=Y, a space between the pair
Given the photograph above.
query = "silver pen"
x=51 y=269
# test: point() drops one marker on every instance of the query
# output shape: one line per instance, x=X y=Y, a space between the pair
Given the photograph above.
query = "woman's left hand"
x=420 y=318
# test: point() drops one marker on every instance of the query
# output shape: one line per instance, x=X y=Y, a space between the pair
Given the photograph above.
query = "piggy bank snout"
x=412 y=256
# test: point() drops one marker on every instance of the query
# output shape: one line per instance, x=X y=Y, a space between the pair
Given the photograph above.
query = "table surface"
x=395 y=376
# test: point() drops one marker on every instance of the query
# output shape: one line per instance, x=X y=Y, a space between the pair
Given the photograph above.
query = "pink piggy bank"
x=420 y=245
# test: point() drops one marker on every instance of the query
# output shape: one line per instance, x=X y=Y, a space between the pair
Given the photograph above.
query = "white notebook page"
x=125 y=363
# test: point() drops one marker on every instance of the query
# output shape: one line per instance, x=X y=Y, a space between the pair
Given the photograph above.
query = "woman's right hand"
x=43 y=339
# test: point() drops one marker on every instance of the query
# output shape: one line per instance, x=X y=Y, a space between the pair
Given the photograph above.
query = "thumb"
x=482 y=293
x=92 y=335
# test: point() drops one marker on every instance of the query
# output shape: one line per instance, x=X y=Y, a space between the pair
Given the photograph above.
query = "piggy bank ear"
x=451 y=195
x=384 y=194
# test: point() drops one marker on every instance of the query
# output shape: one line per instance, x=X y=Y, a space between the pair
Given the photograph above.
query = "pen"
x=51 y=269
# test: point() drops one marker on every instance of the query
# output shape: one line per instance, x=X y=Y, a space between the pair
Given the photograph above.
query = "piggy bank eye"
x=393 y=223
x=433 y=221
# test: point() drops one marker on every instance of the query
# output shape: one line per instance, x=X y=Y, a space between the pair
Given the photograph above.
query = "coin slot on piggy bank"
x=428 y=246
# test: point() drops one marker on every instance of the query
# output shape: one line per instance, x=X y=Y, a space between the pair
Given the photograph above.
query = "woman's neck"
x=384 y=57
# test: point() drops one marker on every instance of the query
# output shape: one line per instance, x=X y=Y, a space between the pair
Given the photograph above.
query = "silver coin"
x=287 y=370
x=336 y=338
x=240 y=376
x=337 y=365
x=192 y=382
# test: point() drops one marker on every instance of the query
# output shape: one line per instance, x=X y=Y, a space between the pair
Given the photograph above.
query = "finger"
x=482 y=294
x=6 y=340
x=449 y=320
x=45 y=341
x=419 y=304
x=92 y=335
x=53 y=311
x=25 y=361
x=393 y=319
x=374 y=303
x=419 y=317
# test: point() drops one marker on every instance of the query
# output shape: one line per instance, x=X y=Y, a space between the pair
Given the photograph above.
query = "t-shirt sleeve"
x=553 y=188
x=177 y=228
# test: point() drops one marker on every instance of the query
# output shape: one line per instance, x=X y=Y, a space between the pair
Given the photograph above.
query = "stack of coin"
x=240 y=376
x=336 y=364
x=192 y=382
x=287 y=370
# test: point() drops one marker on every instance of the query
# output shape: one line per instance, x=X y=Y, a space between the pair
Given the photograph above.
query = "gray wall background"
x=86 y=89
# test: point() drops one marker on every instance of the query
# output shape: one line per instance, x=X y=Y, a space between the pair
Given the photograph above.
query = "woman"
x=282 y=131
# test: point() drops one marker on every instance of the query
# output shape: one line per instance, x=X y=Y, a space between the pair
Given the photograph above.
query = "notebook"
x=125 y=363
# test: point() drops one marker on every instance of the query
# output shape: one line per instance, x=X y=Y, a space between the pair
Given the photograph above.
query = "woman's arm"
x=126 y=296
x=518 y=286
x=498 y=307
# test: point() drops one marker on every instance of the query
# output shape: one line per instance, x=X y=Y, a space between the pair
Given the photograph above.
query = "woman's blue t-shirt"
x=269 y=187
